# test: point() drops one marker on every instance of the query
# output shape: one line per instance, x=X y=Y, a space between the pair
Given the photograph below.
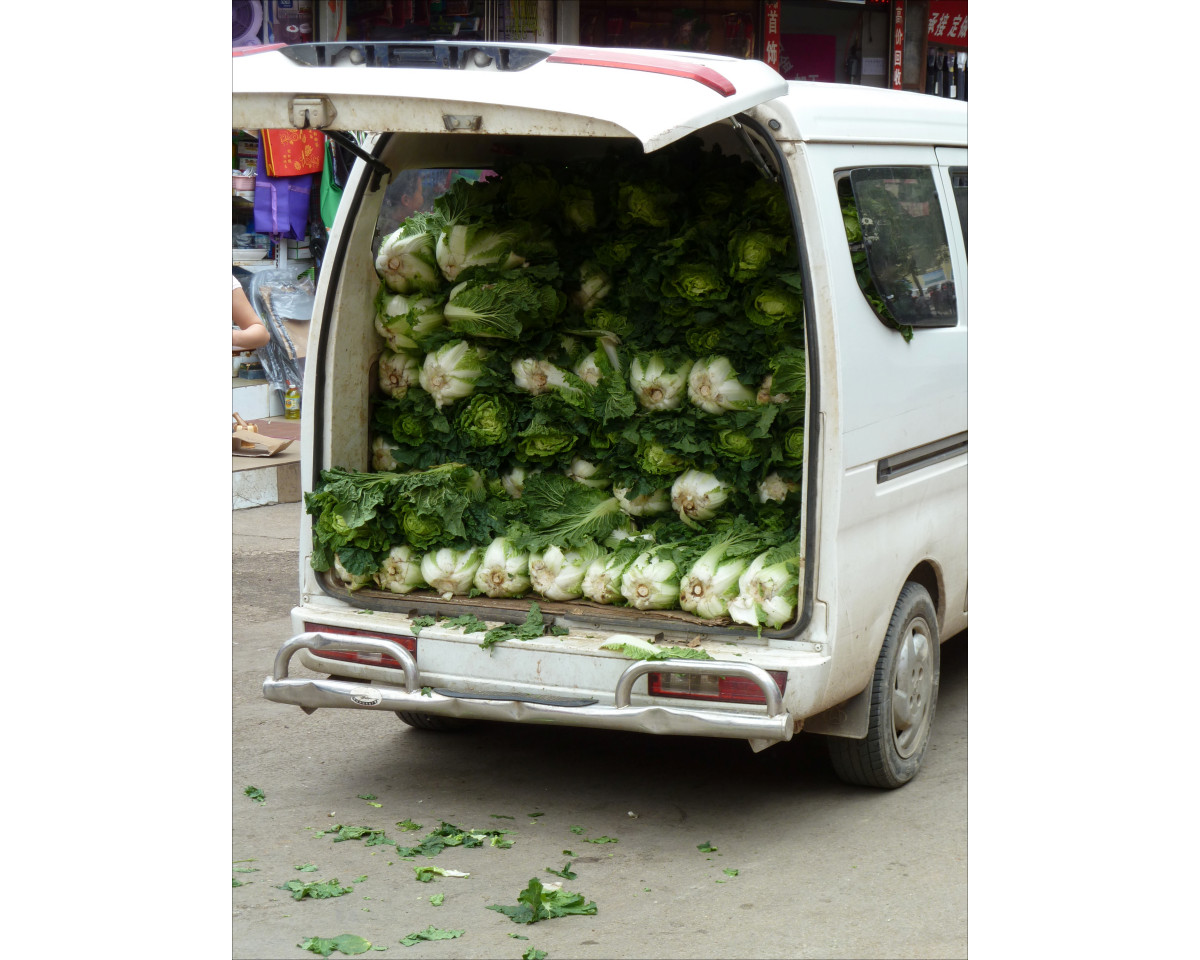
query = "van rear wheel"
x=429 y=721
x=903 y=696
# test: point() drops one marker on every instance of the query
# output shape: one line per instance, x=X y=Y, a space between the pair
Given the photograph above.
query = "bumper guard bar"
x=311 y=693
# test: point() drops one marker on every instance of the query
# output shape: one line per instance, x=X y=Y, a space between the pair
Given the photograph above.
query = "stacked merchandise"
x=591 y=389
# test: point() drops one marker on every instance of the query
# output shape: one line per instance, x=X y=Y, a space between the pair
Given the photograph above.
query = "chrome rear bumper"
x=761 y=729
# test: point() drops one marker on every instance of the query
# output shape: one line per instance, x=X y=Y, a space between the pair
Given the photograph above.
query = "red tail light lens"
x=370 y=659
x=707 y=686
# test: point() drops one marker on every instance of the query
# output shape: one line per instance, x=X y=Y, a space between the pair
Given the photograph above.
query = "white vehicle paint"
x=884 y=496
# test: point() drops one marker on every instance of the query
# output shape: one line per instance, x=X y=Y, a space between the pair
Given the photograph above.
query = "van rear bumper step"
x=310 y=694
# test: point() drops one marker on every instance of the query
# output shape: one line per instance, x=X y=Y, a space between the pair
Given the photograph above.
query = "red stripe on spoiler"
x=260 y=48
x=636 y=61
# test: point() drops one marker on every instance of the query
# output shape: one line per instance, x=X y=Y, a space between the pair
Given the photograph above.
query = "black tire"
x=429 y=721
x=903 y=697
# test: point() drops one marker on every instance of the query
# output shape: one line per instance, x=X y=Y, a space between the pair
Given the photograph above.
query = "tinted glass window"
x=905 y=253
x=958 y=179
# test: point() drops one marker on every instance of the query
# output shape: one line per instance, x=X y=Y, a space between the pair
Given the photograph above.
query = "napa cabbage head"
x=557 y=573
x=697 y=496
x=535 y=376
x=697 y=282
x=486 y=420
x=355 y=581
x=644 y=505
x=451 y=571
x=711 y=581
x=734 y=446
x=793 y=446
x=463 y=246
x=655 y=460
x=449 y=373
x=400 y=571
x=658 y=381
x=770 y=303
x=406 y=321
x=775 y=489
x=594 y=475
x=503 y=571
x=594 y=286
x=713 y=386
x=651 y=581
x=751 y=252
x=768 y=589
x=578 y=206
x=381 y=454
x=602 y=581
x=646 y=203
x=500 y=309
x=407 y=259
x=543 y=443
x=398 y=372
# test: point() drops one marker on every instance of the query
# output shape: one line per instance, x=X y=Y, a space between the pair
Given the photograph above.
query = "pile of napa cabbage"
x=591 y=386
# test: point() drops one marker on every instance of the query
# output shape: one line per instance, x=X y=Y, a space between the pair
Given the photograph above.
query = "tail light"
x=707 y=686
x=368 y=659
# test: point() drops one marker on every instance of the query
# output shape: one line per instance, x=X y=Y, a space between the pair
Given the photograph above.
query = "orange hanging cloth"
x=290 y=153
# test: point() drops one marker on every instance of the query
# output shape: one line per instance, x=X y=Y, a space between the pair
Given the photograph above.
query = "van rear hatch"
x=530 y=89
x=489 y=109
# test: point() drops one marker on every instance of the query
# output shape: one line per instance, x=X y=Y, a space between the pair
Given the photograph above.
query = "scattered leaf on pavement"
x=430 y=933
x=316 y=890
x=255 y=794
x=706 y=847
x=537 y=902
x=347 y=943
x=426 y=874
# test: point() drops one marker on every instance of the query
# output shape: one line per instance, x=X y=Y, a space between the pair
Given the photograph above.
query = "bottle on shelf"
x=291 y=402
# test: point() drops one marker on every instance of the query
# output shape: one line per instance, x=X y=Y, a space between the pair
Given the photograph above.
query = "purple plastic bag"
x=280 y=203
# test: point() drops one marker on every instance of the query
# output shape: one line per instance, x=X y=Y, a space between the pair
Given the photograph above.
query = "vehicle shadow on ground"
x=506 y=758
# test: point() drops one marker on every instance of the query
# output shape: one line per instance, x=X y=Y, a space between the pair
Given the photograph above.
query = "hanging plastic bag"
x=284 y=303
x=281 y=203
x=331 y=191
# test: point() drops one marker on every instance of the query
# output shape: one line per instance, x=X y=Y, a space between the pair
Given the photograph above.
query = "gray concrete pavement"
x=823 y=869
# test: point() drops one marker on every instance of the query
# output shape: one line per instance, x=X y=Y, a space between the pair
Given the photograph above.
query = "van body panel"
x=884 y=491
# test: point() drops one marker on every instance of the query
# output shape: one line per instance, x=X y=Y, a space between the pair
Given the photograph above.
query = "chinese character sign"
x=948 y=22
x=771 y=33
x=898 y=46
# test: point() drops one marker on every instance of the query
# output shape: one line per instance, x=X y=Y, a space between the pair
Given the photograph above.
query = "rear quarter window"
x=898 y=245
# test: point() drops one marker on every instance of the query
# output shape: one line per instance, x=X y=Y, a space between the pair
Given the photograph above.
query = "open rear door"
x=494 y=89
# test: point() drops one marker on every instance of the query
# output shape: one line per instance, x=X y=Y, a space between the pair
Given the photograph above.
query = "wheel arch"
x=851 y=717
x=929 y=575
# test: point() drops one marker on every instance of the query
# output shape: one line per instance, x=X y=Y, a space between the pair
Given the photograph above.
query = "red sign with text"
x=948 y=22
x=898 y=45
x=771 y=33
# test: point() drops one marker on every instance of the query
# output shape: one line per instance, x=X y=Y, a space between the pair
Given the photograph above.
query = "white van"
x=764 y=282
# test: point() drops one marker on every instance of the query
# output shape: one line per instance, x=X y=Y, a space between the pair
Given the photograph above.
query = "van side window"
x=899 y=246
x=958 y=180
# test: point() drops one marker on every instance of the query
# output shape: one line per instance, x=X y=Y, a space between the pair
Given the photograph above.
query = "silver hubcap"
x=912 y=688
